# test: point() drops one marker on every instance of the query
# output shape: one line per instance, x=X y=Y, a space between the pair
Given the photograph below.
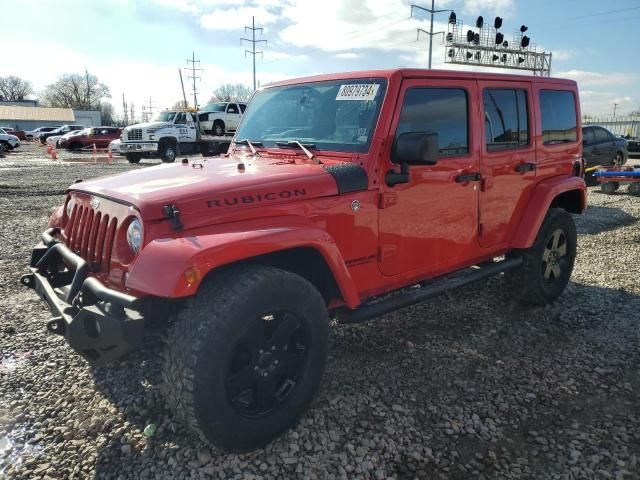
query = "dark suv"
x=601 y=147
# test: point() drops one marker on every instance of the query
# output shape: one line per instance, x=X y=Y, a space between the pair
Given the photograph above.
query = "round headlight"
x=152 y=137
x=134 y=235
x=69 y=208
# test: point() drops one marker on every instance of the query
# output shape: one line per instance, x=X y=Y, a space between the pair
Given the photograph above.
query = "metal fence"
x=625 y=126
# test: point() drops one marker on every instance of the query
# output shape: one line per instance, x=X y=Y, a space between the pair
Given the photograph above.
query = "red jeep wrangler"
x=338 y=192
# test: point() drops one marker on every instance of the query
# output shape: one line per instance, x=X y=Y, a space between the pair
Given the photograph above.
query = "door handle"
x=525 y=167
x=468 y=177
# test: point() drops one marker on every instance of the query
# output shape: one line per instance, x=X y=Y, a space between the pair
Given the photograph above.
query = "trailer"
x=611 y=178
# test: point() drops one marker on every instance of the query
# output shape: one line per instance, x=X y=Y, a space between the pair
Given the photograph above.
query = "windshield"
x=337 y=115
x=214 y=107
x=164 y=117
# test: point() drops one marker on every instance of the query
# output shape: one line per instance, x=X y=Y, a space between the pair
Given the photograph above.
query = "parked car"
x=114 y=146
x=100 y=136
x=54 y=140
x=340 y=196
x=21 y=134
x=41 y=130
x=33 y=134
x=59 y=131
x=601 y=147
x=220 y=118
x=8 y=141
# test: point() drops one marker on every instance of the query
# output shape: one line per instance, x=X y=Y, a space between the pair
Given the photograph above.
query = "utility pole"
x=615 y=107
x=126 y=113
x=132 y=114
x=431 y=33
x=193 y=76
x=150 y=111
x=253 y=42
x=184 y=95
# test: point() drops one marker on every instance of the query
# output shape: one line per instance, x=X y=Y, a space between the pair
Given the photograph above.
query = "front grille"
x=134 y=134
x=91 y=234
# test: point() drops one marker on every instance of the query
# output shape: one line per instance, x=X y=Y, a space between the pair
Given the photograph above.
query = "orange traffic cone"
x=49 y=148
x=54 y=155
x=109 y=154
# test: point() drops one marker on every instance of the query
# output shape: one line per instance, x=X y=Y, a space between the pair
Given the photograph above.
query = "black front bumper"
x=99 y=323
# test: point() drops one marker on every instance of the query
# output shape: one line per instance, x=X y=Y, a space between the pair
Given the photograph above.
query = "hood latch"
x=173 y=214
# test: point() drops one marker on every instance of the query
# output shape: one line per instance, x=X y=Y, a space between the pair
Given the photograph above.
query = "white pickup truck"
x=168 y=135
x=221 y=117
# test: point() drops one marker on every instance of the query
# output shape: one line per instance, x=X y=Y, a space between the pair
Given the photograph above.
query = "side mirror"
x=416 y=148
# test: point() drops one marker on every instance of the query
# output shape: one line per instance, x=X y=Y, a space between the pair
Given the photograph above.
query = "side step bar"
x=375 y=309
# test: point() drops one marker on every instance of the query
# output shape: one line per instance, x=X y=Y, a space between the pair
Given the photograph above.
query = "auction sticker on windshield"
x=358 y=91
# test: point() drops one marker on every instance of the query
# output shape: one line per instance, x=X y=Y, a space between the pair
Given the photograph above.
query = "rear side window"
x=242 y=107
x=601 y=135
x=437 y=110
x=558 y=112
x=505 y=119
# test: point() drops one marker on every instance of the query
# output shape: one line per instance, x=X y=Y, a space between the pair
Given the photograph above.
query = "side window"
x=180 y=119
x=232 y=108
x=587 y=136
x=558 y=112
x=243 y=107
x=601 y=135
x=505 y=118
x=437 y=110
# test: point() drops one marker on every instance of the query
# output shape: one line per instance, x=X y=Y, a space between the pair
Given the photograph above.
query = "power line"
x=253 y=42
x=193 y=76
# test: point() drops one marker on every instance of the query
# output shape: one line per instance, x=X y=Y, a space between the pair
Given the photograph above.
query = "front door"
x=429 y=225
x=508 y=157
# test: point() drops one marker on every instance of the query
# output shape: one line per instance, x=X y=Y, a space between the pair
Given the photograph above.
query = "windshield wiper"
x=302 y=146
x=250 y=144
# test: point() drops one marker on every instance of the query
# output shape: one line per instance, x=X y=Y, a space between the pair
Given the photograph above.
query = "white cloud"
x=499 y=7
x=229 y=19
x=347 y=55
x=591 y=79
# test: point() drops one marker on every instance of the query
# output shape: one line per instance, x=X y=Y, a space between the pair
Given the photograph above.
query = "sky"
x=137 y=46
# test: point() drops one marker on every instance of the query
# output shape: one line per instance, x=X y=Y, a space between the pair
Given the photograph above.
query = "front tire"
x=133 y=157
x=246 y=356
x=168 y=152
x=218 y=128
x=547 y=265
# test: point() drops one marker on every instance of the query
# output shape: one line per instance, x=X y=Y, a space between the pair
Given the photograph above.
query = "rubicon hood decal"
x=257 y=198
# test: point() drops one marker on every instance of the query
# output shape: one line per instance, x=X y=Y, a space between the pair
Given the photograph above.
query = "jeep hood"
x=213 y=185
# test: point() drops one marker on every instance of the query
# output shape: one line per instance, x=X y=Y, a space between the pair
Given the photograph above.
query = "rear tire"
x=133 y=157
x=246 y=356
x=4 y=146
x=547 y=265
x=617 y=160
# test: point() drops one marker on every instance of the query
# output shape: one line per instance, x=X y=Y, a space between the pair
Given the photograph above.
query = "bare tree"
x=231 y=92
x=179 y=105
x=14 y=88
x=106 y=113
x=77 y=91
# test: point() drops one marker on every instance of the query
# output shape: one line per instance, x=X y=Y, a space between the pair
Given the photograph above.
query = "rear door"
x=508 y=164
x=429 y=224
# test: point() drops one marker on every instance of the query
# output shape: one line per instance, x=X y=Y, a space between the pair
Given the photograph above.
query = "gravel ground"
x=468 y=385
